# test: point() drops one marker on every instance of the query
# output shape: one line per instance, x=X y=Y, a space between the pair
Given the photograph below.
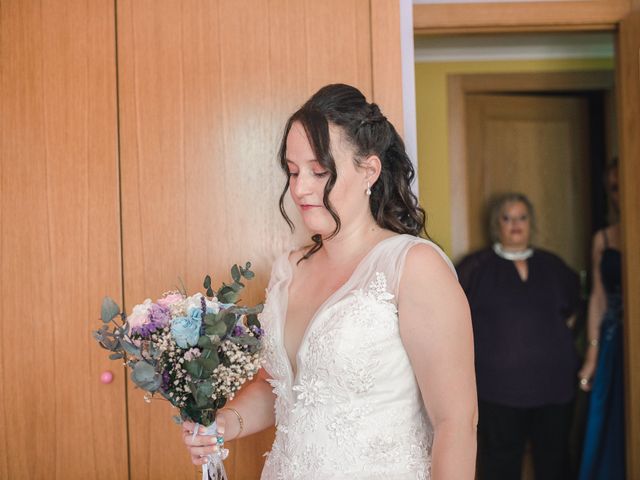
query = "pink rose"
x=140 y=314
x=170 y=299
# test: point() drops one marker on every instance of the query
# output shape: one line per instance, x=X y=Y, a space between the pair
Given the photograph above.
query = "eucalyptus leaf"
x=235 y=273
x=209 y=364
x=201 y=399
x=252 y=320
x=219 y=328
x=206 y=389
x=207 y=282
x=109 y=344
x=130 y=348
x=230 y=320
x=246 y=310
x=193 y=388
x=205 y=342
x=245 y=340
x=116 y=356
x=194 y=368
x=109 y=309
x=208 y=353
x=229 y=296
x=145 y=377
x=248 y=274
x=210 y=292
x=210 y=319
x=203 y=394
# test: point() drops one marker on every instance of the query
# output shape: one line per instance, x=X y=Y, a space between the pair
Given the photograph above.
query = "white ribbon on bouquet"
x=214 y=468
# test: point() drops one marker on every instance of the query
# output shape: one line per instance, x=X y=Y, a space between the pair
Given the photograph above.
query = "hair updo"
x=393 y=204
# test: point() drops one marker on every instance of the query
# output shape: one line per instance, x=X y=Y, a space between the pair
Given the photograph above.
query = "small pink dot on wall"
x=106 y=377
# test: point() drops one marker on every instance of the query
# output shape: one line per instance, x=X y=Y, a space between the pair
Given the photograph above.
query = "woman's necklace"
x=513 y=256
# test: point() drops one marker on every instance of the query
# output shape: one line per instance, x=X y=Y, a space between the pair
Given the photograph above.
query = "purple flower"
x=146 y=330
x=159 y=315
x=237 y=331
x=165 y=381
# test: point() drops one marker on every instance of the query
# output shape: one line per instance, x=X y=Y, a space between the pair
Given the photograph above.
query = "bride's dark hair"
x=393 y=204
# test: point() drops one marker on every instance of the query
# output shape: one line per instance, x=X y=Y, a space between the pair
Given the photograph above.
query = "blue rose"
x=186 y=330
x=195 y=314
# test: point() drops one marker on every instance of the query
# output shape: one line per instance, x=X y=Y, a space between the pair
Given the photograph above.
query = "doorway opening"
x=533 y=113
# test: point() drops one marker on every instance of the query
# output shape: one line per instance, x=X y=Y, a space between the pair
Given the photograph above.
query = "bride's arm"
x=435 y=327
x=254 y=404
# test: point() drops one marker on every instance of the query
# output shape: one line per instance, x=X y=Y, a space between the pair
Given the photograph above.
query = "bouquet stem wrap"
x=214 y=468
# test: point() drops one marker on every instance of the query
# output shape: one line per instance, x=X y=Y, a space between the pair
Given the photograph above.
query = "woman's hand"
x=201 y=445
x=586 y=374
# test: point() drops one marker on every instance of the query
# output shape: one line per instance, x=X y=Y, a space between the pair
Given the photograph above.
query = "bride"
x=369 y=354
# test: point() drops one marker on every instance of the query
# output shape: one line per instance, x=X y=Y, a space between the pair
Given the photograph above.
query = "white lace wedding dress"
x=353 y=410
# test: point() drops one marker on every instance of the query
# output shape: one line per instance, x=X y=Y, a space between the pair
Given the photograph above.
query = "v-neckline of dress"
x=523 y=281
x=323 y=306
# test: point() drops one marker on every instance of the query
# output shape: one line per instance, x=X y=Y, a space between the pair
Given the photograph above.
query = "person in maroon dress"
x=521 y=300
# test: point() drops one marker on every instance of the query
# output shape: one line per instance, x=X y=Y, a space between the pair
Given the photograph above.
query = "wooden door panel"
x=60 y=241
x=205 y=89
x=538 y=146
x=629 y=121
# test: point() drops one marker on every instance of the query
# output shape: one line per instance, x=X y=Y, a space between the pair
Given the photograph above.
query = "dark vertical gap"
x=598 y=160
x=119 y=166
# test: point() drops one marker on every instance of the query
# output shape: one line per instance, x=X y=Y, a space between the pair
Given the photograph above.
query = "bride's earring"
x=368 y=190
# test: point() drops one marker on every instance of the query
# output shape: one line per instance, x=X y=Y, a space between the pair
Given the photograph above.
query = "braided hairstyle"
x=393 y=204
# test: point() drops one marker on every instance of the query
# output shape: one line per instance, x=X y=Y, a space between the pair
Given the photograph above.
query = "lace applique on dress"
x=287 y=462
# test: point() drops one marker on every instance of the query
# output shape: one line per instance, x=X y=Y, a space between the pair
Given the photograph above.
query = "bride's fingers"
x=198 y=440
x=203 y=451
x=188 y=426
x=198 y=460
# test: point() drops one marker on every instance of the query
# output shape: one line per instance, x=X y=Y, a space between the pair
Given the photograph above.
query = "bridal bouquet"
x=195 y=351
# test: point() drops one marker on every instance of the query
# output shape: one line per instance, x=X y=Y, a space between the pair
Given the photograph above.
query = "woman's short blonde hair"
x=498 y=205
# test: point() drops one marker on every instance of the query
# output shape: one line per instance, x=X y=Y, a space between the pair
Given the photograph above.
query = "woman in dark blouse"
x=521 y=300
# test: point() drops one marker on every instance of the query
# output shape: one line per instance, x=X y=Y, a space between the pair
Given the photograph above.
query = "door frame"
x=568 y=16
x=530 y=16
x=458 y=86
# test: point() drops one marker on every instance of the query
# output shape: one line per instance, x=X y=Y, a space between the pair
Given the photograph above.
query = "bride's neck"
x=352 y=243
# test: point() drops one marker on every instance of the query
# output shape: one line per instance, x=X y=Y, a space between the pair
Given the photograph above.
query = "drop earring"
x=368 y=190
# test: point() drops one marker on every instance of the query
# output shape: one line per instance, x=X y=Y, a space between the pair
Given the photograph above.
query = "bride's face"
x=308 y=179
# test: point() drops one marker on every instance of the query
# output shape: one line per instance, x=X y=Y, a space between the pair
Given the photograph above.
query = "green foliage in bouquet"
x=195 y=351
